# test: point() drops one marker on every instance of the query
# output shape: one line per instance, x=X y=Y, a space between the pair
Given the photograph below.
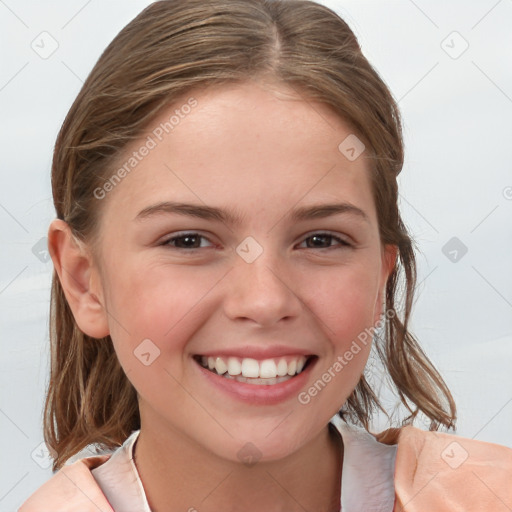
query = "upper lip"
x=257 y=352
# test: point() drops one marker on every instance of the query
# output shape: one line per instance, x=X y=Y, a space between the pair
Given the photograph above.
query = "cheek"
x=343 y=306
x=152 y=317
x=344 y=301
x=158 y=304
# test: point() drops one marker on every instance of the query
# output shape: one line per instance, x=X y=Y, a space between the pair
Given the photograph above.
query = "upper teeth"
x=247 y=367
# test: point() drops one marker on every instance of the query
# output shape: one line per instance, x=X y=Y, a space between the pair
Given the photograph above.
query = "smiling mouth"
x=252 y=371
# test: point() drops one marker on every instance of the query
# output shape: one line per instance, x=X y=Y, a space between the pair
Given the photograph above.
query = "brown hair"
x=169 y=49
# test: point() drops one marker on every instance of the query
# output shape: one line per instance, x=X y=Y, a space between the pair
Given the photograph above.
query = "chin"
x=260 y=444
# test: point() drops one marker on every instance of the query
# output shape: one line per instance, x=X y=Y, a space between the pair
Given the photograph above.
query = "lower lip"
x=259 y=394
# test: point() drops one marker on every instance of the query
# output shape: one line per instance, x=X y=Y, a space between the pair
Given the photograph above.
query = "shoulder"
x=441 y=471
x=72 y=488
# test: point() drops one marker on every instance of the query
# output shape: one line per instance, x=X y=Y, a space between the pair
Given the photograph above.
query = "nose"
x=261 y=292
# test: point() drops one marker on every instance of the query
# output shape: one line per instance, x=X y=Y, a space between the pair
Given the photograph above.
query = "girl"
x=228 y=247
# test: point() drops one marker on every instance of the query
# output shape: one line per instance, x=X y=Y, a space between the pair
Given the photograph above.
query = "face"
x=243 y=240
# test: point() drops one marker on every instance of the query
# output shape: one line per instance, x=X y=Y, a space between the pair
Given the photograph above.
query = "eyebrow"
x=304 y=213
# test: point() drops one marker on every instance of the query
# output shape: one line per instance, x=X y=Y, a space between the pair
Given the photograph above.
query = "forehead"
x=252 y=144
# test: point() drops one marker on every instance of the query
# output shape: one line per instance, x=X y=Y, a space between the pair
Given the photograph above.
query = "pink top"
x=366 y=482
x=431 y=471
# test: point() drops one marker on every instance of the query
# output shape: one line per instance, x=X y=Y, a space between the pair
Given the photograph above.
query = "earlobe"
x=79 y=279
x=389 y=257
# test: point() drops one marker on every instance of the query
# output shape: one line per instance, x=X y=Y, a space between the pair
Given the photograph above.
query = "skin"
x=260 y=150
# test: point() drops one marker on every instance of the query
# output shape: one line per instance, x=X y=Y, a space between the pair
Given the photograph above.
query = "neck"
x=179 y=475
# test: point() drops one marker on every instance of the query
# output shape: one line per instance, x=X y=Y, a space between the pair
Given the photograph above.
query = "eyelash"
x=167 y=243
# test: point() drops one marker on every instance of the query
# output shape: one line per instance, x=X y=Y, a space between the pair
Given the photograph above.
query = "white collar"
x=367 y=481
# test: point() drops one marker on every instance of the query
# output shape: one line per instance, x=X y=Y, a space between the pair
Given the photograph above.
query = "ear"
x=389 y=256
x=79 y=278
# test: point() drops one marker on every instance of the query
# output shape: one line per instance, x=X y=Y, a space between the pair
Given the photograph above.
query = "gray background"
x=457 y=182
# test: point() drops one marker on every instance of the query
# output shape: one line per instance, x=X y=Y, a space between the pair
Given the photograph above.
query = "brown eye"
x=186 y=241
x=324 y=241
